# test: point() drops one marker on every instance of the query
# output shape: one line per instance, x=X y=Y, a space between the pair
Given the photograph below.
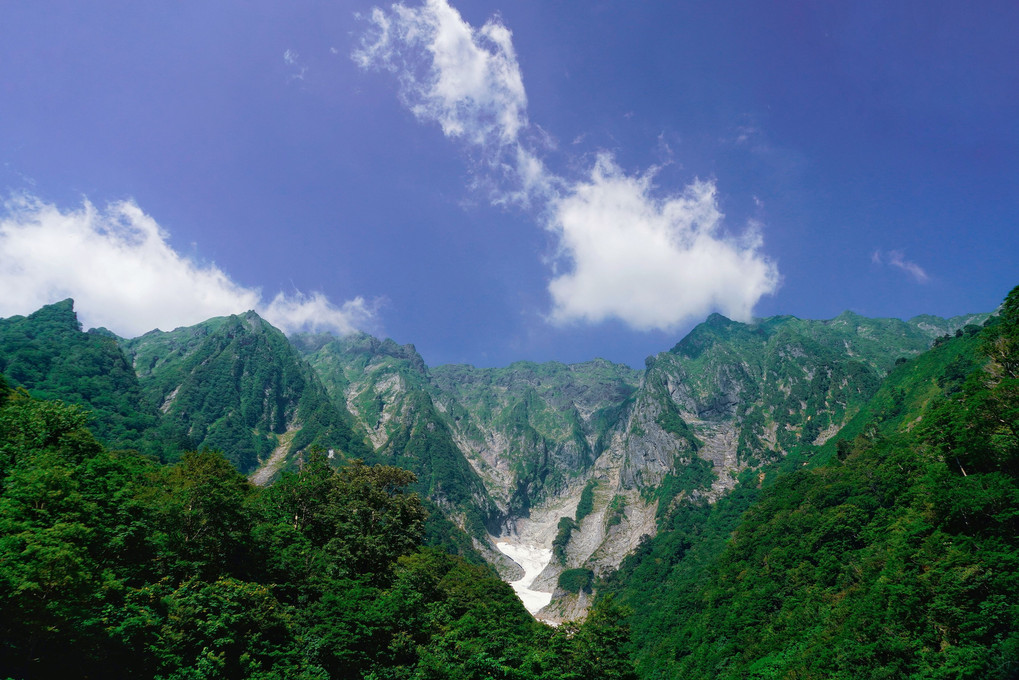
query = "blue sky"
x=501 y=181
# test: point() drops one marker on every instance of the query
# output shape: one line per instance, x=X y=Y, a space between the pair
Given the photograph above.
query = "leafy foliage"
x=576 y=580
x=388 y=389
x=48 y=354
x=690 y=475
x=616 y=511
x=425 y=446
x=586 y=504
x=562 y=538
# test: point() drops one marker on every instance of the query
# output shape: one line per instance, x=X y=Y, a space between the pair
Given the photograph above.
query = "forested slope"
x=815 y=516
x=236 y=385
x=893 y=553
x=385 y=386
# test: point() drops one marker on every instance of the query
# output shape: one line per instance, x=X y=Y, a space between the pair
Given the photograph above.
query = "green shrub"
x=576 y=580
x=586 y=504
x=562 y=538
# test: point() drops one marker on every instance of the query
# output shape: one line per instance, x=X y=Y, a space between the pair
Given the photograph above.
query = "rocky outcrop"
x=386 y=387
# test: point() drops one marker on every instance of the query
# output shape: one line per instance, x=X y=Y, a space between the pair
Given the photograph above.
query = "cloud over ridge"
x=123 y=274
x=651 y=261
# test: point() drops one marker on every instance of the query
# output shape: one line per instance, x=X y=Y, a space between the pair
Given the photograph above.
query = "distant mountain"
x=533 y=430
x=728 y=398
x=781 y=498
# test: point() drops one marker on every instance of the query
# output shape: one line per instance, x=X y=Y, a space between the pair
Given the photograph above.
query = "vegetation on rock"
x=893 y=553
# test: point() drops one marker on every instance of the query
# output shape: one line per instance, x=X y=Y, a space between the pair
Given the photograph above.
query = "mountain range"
x=583 y=461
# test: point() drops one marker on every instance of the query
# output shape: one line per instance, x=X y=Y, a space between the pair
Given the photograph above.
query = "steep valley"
x=570 y=466
x=727 y=401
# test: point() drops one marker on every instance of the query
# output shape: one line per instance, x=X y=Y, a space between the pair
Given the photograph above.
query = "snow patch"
x=533 y=561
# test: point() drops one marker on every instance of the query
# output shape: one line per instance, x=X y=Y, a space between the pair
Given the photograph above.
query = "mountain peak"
x=58 y=314
x=705 y=334
x=716 y=319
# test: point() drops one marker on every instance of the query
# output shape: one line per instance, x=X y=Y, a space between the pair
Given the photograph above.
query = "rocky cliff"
x=728 y=398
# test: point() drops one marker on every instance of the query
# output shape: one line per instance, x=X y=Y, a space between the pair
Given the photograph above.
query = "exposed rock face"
x=728 y=398
x=533 y=431
x=388 y=390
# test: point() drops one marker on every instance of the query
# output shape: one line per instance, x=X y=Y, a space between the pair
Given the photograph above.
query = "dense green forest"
x=114 y=566
x=892 y=552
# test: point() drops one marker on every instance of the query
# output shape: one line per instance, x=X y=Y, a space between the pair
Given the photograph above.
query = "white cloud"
x=293 y=59
x=316 y=313
x=653 y=263
x=465 y=79
x=124 y=275
x=896 y=258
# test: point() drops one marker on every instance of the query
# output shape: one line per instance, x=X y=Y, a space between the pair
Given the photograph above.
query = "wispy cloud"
x=293 y=60
x=896 y=258
x=746 y=134
x=465 y=79
x=122 y=272
x=652 y=261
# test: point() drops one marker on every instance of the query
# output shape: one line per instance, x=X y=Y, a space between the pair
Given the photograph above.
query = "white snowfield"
x=533 y=560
